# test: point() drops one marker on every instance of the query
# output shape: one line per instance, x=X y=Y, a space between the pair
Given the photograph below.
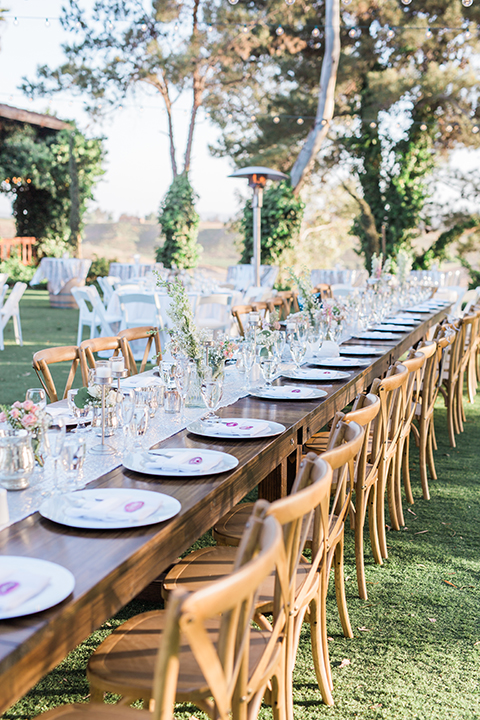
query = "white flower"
x=111 y=398
x=95 y=391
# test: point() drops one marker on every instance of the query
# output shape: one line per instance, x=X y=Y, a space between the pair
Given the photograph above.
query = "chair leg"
x=372 y=525
x=397 y=483
x=360 y=511
x=340 y=589
x=391 y=480
x=450 y=421
x=17 y=330
x=425 y=434
x=434 y=437
x=382 y=537
x=406 y=471
x=321 y=660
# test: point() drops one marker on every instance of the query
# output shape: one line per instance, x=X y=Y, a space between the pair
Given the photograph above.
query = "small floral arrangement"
x=23 y=416
x=220 y=351
x=305 y=289
x=267 y=337
x=380 y=268
x=185 y=338
x=332 y=311
x=92 y=396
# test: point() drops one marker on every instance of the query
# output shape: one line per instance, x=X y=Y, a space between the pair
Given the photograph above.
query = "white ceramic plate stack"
x=110 y=508
x=392 y=327
x=314 y=375
x=176 y=462
x=29 y=585
x=288 y=392
x=339 y=362
x=237 y=428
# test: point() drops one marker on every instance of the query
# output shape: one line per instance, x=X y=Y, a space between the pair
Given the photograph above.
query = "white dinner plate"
x=360 y=350
x=422 y=309
x=139 y=462
x=377 y=336
x=58 y=507
x=67 y=417
x=340 y=362
x=288 y=392
x=217 y=430
x=314 y=374
x=60 y=586
x=392 y=327
x=403 y=320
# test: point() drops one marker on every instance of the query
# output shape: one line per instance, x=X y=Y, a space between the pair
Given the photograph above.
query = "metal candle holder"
x=103 y=448
x=119 y=375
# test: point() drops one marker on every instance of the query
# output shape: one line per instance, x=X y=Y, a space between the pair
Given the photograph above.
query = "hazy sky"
x=137 y=167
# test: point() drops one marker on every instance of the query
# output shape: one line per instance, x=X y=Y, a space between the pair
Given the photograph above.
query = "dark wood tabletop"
x=112 y=567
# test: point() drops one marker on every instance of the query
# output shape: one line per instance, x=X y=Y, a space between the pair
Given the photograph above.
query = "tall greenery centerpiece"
x=282 y=214
x=307 y=297
x=179 y=221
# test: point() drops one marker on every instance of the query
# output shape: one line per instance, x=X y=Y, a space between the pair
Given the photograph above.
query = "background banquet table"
x=60 y=271
x=112 y=567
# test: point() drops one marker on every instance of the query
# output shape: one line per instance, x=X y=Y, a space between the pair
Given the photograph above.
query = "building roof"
x=32 y=118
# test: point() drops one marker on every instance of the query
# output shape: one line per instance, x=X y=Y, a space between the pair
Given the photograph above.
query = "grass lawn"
x=416 y=650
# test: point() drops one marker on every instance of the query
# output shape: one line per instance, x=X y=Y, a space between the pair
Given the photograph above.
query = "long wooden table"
x=112 y=567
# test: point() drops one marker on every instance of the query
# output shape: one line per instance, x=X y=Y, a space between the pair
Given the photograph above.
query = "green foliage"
x=17 y=272
x=52 y=247
x=282 y=214
x=179 y=221
x=36 y=166
x=439 y=250
x=100 y=267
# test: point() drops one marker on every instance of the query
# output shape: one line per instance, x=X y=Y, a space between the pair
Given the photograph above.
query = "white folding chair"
x=139 y=309
x=11 y=309
x=107 y=286
x=3 y=287
x=255 y=294
x=341 y=290
x=87 y=316
x=103 y=319
x=214 y=311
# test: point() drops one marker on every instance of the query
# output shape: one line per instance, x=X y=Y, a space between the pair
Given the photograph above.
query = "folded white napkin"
x=189 y=462
x=328 y=349
x=242 y=428
x=282 y=391
x=17 y=587
x=113 y=508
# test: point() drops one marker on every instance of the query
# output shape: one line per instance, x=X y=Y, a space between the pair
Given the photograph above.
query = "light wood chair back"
x=291 y=300
x=278 y=305
x=87 y=349
x=43 y=358
x=324 y=290
x=140 y=333
x=238 y=312
x=386 y=434
x=451 y=368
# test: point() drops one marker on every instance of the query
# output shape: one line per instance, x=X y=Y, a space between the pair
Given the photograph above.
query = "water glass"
x=211 y=389
x=139 y=424
x=38 y=396
x=54 y=440
x=247 y=352
x=167 y=368
x=80 y=414
x=268 y=366
x=298 y=349
x=124 y=408
x=183 y=377
x=73 y=456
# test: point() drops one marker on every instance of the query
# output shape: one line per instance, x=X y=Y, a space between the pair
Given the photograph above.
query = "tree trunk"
x=75 y=239
x=326 y=99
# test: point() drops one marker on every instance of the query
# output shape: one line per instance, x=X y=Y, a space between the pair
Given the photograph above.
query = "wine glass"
x=268 y=366
x=139 y=422
x=211 y=389
x=183 y=376
x=38 y=396
x=298 y=348
x=78 y=413
x=54 y=440
x=280 y=343
x=124 y=408
x=247 y=351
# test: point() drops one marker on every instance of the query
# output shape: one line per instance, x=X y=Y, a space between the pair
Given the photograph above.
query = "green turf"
x=418 y=653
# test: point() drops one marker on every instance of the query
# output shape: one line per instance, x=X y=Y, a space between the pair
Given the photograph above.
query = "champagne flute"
x=38 y=396
x=211 y=389
x=183 y=377
x=78 y=413
x=247 y=351
x=54 y=440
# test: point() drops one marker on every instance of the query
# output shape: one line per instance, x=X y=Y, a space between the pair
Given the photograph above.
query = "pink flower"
x=28 y=405
x=15 y=413
x=3 y=417
x=17 y=404
x=28 y=420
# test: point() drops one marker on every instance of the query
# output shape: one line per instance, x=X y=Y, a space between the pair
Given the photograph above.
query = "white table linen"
x=126 y=271
x=59 y=271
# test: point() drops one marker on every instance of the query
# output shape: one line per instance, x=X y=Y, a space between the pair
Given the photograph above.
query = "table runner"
x=22 y=503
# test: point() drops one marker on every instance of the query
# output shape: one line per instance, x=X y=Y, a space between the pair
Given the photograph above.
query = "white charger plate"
x=391 y=327
x=377 y=336
x=422 y=309
x=54 y=509
x=360 y=350
x=315 y=393
x=61 y=584
x=313 y=374
x=341 y=362
x=215 y=430
x=405 y=321
x=136 y=462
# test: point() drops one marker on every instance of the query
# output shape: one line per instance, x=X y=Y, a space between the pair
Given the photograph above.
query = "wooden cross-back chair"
x=415 y=364
x=450 y=388
x=50 y=356
x=291 y=300
x=324 y=290
x=468 y=360
x=278 y=305
x=238 y=312
x=127 y=336
x=87 y=349
x=423 y=427
x=391 y=391
x=302 y=512
x=203 y=648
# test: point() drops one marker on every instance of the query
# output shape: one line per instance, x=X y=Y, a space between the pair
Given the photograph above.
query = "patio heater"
x=257 y=179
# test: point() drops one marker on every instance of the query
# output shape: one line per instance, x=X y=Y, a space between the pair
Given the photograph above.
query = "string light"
x=289 y=2
x=209 y=28
x=467 y=3
x=346 y=2
x=276 y=119
x=15 y=22
x=373 y=125
x=390 y=33
x=300 y=121
x=245 y=29
x=253 y=118
x=279 y=30
x=428 y=34
x=475 y=129
x=449 y=128
x=143 y=26
x=47 y=22
x=423 y=127
x=467 y=35
x=352 y=32
x=233 y=2
x=315 y=32
x=406 y=2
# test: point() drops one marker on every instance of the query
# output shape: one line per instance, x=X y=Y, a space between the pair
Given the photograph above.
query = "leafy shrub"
x=179 y=221
x=17 y=272
x=100 y=266
x=53 y=247
x=282 y=215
